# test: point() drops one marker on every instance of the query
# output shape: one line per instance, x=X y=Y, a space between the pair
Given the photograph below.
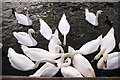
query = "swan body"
x=81 y=63
x=26 y=38
x=64 y=27
x=22 y=19
x=37 y=53
x=91 y=17
x=112 y=62
x=69 y=71
x=91 y=46
x=53 y=43
x=49 y=70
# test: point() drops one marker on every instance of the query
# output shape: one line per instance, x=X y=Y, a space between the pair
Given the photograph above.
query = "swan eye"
x=56 y=64
x=33 y=34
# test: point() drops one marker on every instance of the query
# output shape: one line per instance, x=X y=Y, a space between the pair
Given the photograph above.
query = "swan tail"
x=10 y=50
x=86 y=11
x=92 y=73
x=24 y=48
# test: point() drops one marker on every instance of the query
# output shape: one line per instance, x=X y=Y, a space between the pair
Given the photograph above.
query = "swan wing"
x=80 y=62
x=64 y=26
x=45 y=30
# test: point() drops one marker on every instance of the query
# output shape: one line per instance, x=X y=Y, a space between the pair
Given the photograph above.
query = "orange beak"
x=105 y=64
x=56 y=65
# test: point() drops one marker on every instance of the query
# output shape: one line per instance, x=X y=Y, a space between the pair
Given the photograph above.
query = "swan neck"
x=64 y=40
x=33 y=40
x=99 y=54
x=97 y=15
x=42 y=61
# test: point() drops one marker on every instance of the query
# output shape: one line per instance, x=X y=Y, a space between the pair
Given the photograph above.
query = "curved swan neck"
x=97 y=15
x=64 y=40
x=31 y=36
x=42 y=61
x=60 y=48
x=67 y=62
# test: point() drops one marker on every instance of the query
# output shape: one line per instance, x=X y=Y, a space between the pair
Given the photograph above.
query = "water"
x=80 y=32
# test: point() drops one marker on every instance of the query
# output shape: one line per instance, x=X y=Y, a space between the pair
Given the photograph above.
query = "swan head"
x=25 y=8
x=100 y=12
x=31 y=31
x=56 y=64
x=105 y=56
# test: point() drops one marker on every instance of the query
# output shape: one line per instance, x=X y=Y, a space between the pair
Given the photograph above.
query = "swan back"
x=45 y=30
x=108 y=41
x=64 y=26
x=19 y=61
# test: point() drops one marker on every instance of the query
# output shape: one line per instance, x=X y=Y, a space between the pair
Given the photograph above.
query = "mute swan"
x=64 y=27
x=81 y=63
x=46 y=31
x=22 y=19
x=108 y=44
x=23 y=63
x=69 y=71
x=26 y=39
x=91 y=46
x=38 y=53
x=91 y=17
x=112 y=61
x=48 y=70
x=53 y=43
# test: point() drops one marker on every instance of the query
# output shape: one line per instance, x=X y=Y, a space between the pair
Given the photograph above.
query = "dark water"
x=80 y=32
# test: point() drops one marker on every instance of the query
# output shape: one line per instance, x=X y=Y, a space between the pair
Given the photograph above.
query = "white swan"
x=69 y=71
x=81 y=63
x=26 y=39
x=23 y=63
x=91 y=46
x=53 y=43
x=22 y=19
x=91 y=17
x=48 y=69
x=112 y=62
x=38 y=53
x=107 y=45
x=46 y=31
x=64 y=27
